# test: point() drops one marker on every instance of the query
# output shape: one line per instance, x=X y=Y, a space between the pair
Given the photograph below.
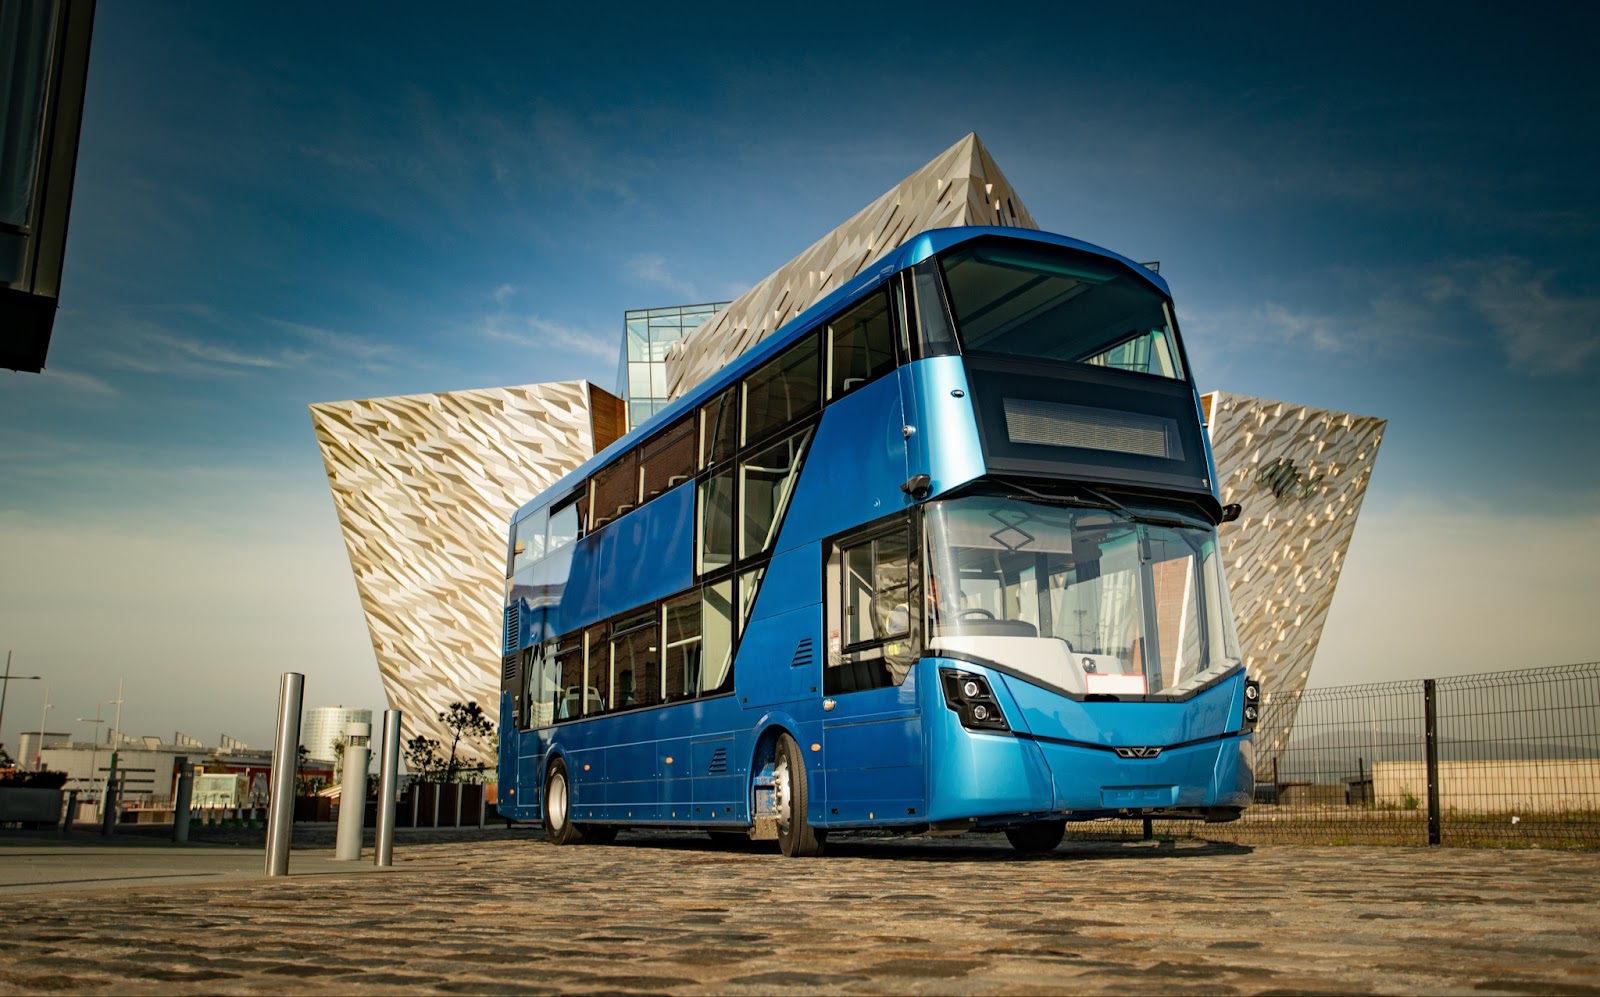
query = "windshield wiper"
x=1100 y=500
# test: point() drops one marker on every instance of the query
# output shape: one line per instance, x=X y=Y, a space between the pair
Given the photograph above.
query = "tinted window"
x=766 y=480
x=635 y=667
x=568 y=694
x=716 y=628
x=782 y=391
x=666 y=460
x=616 y=490
x=860 y=345
x=597 y=696
x=719 y=427
x=1036 y=301
x=716 y=522
x=682 y=648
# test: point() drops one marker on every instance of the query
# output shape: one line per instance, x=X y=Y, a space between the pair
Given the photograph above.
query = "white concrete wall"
x=1532 y=785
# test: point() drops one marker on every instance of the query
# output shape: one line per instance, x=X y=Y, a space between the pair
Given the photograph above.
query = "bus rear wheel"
x=796 y=837
x=558 y=825
x=1037 y=838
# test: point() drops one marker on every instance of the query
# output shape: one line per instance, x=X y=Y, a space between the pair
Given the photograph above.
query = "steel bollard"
x=353 y=791
x=181 y=801
x=388 y=784
x=280 y=814
x=72 y=811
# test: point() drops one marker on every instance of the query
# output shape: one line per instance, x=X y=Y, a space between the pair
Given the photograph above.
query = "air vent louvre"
x=508 y=671
x=719 y=762
x=513 y=627
x=803 y=654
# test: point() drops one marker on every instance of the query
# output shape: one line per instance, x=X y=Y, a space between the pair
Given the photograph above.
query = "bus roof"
x=908 y=254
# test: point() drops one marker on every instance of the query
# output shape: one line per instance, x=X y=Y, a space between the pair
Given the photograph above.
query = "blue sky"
x=1382 y=209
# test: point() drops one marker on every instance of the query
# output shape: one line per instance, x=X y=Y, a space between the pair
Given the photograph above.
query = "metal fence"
x=1503 y=758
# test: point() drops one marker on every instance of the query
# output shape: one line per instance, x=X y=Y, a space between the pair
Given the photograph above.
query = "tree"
x=422 y=757
x=466 y=720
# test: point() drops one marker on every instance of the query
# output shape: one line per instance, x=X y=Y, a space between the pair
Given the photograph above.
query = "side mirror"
x=1232 y=511
x=917 y=486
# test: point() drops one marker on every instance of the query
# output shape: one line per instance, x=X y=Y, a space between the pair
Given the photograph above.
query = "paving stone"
x=503 y=911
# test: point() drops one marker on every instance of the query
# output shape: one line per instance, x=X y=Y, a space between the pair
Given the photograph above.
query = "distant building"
x=325 y=724
x=425 y=485
x=147 y=766
x=642 y=364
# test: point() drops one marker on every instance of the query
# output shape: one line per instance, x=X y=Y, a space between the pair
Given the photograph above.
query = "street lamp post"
x=38 y=751
x=94 y=745
x=5 y=683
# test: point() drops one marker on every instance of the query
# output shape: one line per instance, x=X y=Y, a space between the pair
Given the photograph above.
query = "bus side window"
x=566 y=697
x=666 y=460
x=860 y=346
x=716 y=628
x=529 y=545
x=636 y=670
x=715 y=514
x=541 y=673
x=783 y=390
x=530 y=662
x=616 y=489
x=563 y=527
x=596 y=692
x=935 y=336
x=766 y=481
x=870 y=613
x=719 y=427
x=682 y=647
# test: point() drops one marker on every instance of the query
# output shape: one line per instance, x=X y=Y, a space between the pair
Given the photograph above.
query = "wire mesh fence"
x=1503 y=758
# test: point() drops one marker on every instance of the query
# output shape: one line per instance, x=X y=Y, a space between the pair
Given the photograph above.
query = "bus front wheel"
x=796 y=837
x=558 y=825
x=1037 y=838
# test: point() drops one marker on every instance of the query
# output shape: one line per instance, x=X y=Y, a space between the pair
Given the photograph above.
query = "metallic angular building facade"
x=424 y=486
x=961 y=186
x=1300 y=474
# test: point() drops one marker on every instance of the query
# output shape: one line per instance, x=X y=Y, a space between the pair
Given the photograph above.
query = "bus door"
x=871 y=727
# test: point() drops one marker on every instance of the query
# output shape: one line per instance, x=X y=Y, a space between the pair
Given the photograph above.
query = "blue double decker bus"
x=938 y=555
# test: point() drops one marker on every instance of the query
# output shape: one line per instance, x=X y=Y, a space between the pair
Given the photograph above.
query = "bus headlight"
x=1252 y=696
x=972 y=699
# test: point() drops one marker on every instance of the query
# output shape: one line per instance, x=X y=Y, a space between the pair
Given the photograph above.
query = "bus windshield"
x=1039 y=301
x=1089 y=600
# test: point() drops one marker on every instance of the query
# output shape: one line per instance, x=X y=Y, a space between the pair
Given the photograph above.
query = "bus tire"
x=558 y=825
x=796 y=838
x=1038 y=837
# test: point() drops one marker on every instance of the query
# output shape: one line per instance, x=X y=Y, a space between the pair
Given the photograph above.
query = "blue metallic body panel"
x=854 y=467
x=944 y=444
x=608 y=572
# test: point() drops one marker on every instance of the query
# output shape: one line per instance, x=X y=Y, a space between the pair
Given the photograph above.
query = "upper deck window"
x=1036 y=301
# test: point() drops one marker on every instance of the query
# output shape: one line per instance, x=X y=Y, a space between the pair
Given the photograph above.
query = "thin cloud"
x=55 y=380
x=349 y=347
x=537 y=332
x=1541 y=331
x=651 y=268
x=147 y=348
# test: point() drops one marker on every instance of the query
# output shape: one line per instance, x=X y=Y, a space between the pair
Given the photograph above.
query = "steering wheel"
x=976 y=614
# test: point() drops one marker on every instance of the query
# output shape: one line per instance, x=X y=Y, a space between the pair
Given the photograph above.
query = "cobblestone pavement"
x=503 y=911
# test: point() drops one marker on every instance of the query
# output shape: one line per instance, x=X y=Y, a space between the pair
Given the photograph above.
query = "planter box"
x=30 y=807
x=313 y=808
x=440 y=804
